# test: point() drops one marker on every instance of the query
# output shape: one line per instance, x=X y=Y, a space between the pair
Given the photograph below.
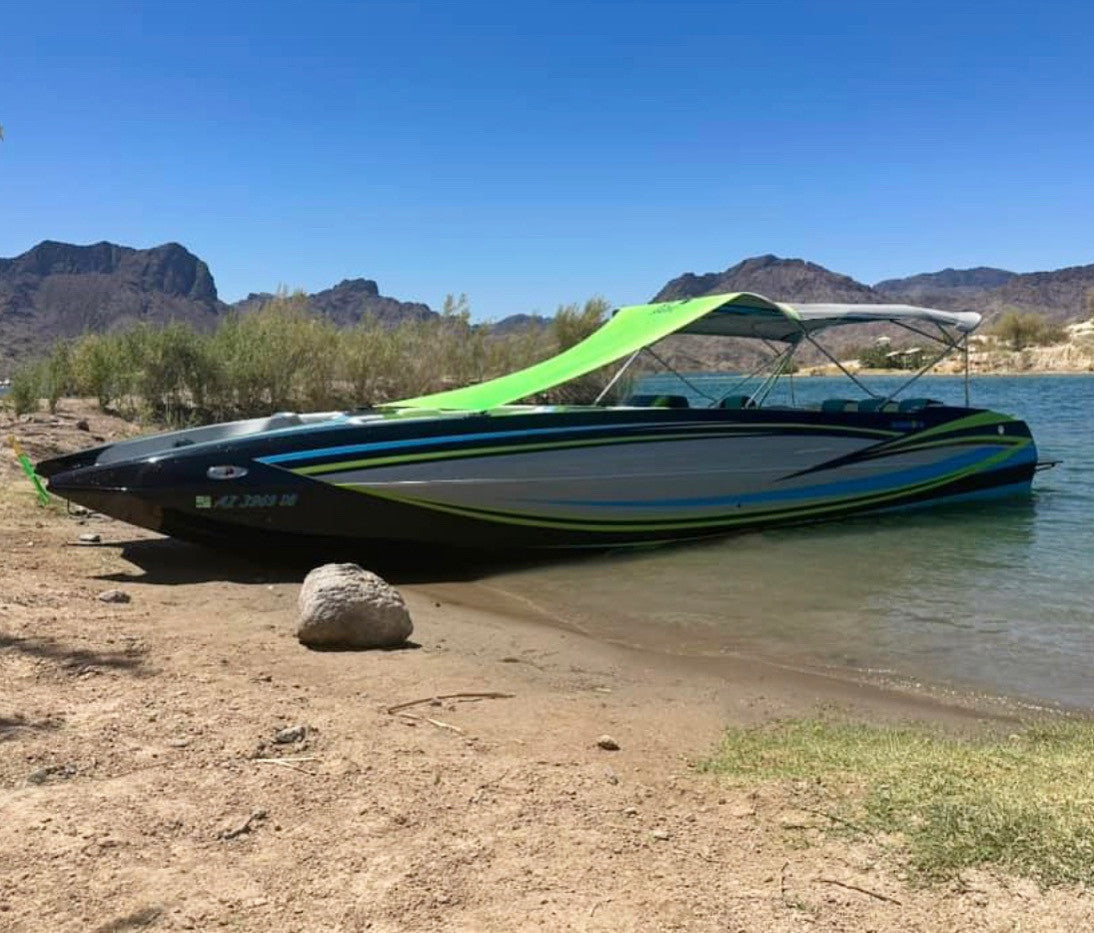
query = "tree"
x=1023 y=329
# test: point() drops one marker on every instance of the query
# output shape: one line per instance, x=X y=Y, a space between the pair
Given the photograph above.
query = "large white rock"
x=345 y=606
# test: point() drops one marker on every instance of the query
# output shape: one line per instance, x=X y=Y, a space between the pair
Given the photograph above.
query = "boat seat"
x=915 y=404
x=839 y=404
x=877 y=404
x=657 y=401
x=737 y=401
x=281 y=419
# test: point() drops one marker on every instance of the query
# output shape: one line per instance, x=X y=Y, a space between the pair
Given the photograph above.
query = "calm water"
x=999 y=597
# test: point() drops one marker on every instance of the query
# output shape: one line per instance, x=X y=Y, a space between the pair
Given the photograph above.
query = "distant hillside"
x=516 y=322
x=349 y=301
x=780 y=279
x=60 y=290
x=1061 y=294
x=949 y=283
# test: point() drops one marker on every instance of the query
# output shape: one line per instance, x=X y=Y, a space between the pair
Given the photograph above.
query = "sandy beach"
x=141 y=785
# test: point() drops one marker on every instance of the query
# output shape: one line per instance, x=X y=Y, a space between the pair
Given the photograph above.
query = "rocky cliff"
x=351 y=300
x=58 y=290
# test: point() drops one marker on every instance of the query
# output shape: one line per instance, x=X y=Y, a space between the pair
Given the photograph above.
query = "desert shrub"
x=881 y=356
x=96 y=369
x=25 y=396
x=284 y=356
x=570 y=325
x=1021 y=329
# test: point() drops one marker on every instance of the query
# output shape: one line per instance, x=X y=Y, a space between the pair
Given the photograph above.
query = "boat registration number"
x=267 y=501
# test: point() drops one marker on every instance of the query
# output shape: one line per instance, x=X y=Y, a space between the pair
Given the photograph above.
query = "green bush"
x=24 y=395
x=878 y=356
x=1021 y=329
x=284 y=357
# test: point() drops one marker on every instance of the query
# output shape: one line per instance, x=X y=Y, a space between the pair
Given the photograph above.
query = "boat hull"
x=530 y=479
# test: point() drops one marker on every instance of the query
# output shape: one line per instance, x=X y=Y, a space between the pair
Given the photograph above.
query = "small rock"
x=44 y=774
x=345 y=606
x=660 y=835
x=114 y=596
x=79 y=510
x=607 y=743
x=90 y=538
x=630 y=811
x=612 y=777
x=179 y=743
x=231 y=832
x=291 y=734
x=82 y=425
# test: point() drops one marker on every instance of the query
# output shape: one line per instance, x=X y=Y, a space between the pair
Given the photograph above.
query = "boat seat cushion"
x=839 y=404
x=737 y=401
x=877 y=404
x=915 y=404
x=657 y=401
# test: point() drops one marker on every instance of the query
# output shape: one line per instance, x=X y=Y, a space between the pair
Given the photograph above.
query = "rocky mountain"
x=349 y=301
x=781 y=279
x=60 y=290
x=519 y=322
x=952 y=283
x=1061 y=294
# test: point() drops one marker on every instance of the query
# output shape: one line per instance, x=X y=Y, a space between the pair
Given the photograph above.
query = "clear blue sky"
x=536 y=153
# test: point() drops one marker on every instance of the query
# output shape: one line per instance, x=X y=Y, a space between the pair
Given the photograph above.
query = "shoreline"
x=142 y=784
x=874 y=691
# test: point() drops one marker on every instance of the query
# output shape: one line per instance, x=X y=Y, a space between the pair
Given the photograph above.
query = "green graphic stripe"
x=964 y=440
x=575 y=525
x=743 y=431
x=979 y=420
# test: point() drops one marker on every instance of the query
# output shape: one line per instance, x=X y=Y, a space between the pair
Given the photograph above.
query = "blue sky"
x=531 y=154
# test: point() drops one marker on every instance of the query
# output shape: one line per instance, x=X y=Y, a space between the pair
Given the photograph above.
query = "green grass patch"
x=1022 y=802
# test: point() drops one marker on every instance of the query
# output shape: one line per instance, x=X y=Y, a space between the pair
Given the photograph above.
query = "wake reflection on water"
x=995 y=595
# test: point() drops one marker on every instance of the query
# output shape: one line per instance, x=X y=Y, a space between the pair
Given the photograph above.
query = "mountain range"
x=58 y=290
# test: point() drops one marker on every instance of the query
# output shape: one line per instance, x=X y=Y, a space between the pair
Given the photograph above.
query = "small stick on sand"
x=285 y=764
x=855 y=887
x=432 y=722
x=491 y=695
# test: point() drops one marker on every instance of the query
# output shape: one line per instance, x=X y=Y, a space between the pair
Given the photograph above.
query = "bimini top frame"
x=739 y=314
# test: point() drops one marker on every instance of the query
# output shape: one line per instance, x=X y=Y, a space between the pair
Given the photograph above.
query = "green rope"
x=28 y=468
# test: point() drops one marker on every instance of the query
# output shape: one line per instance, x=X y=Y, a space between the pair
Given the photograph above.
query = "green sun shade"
x=629 y=329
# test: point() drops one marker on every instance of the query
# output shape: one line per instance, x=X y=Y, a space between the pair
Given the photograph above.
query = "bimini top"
x=739 y=314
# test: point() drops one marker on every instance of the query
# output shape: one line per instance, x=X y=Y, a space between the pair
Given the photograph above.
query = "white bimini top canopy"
x=761 y=318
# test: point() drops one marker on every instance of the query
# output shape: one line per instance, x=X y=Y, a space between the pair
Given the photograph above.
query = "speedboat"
x=473 y=468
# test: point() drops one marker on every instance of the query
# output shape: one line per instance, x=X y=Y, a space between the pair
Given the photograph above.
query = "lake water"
x=997 y=596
